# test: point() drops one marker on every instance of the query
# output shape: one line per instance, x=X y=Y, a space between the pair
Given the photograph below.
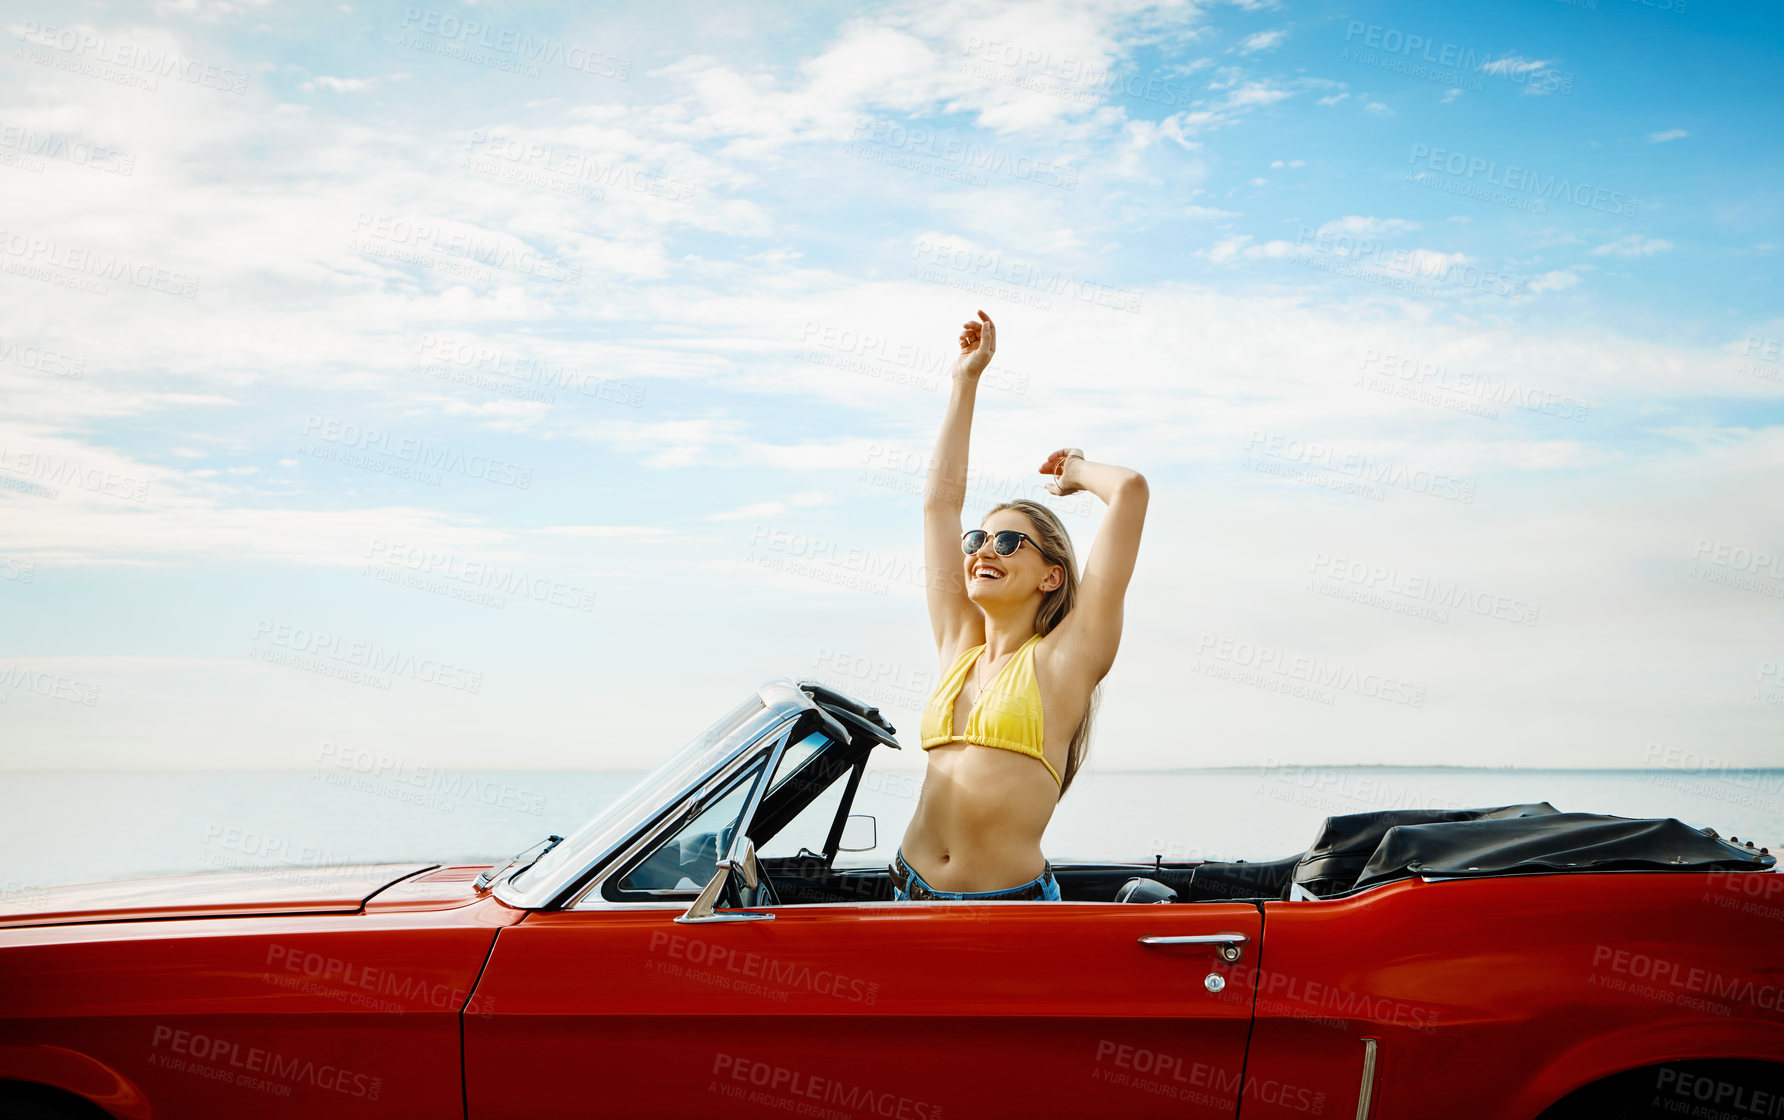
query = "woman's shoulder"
x=957 y=646
x=1054 y=661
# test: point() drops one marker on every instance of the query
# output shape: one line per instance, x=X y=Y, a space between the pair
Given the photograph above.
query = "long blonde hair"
x=1055 y=605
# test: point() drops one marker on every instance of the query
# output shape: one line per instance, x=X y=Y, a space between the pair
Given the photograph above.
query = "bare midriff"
x=980 y=818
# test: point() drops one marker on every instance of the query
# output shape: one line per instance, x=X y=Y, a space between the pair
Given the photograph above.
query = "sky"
x=517 y=386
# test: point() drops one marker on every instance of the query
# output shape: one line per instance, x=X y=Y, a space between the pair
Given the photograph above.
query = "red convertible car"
x=697 y=949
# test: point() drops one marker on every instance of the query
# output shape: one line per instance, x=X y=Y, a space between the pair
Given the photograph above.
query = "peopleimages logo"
x=1392 y=41
x=367 y=657
x=84 y=47
x=1311 y=671
x=518 y=47
x=419 y=452
x=479 y=574
x=425 y=237
x=25 y=249
x=1365 y=468
x=1359 y=254
x=1523 y=180
x=1425 y=589
x=924 y=143
x=943 y=257
x=232 y=1062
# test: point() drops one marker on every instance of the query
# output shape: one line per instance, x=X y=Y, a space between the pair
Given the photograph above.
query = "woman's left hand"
x=1059 y=465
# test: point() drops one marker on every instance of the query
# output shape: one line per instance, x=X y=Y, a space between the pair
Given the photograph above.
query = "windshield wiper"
x=491 y=874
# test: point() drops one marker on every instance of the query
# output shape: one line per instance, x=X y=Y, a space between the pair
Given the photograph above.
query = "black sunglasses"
x=1003 y=542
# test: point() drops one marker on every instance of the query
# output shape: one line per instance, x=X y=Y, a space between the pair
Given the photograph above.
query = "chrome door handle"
x=1229 y=942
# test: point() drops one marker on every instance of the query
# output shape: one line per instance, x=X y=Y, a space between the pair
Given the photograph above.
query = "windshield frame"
x=557 y=874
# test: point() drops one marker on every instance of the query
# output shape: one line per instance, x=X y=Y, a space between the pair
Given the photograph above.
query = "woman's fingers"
x=977 y=335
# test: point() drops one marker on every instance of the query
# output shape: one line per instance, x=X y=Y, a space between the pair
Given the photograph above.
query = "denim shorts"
x=1043 y=886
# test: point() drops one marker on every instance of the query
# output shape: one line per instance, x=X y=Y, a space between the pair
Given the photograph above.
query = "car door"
x=919 y=1010
x=853 y=1006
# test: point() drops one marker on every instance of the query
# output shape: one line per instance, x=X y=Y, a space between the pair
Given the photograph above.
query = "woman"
x=1023 y=644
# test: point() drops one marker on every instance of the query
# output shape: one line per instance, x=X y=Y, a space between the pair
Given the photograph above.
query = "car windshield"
x=677 y=773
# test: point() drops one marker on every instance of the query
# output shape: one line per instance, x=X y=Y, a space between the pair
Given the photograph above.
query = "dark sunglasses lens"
x=971 y=543
x=1007 y=542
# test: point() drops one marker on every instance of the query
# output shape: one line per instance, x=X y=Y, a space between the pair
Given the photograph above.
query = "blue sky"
x=508 y=384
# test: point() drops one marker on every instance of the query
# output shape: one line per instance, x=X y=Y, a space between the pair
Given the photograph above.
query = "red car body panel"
x=916 y=1010
x=1488 y=998
x=1495 y=997
x=285 y=891
x=268 y=1014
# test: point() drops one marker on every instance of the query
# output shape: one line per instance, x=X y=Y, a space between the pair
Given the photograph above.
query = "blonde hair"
x=1056 y=543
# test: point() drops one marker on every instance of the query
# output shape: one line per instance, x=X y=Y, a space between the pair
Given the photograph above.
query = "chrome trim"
x=702 y=909
x=783 y=701
x=649 y=837
x=593 y=904
x=742 y=850
x=1229 y=943
x=1366 y=1095
x=783 y=691
x=744 y=861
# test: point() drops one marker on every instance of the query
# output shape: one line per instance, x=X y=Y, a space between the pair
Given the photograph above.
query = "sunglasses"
x=1003 y=542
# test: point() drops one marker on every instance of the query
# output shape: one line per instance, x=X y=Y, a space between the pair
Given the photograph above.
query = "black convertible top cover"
x=1542 y=842
x=1345 y=843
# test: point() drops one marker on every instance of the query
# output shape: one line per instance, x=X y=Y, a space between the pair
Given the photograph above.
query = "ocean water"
x=71 y=827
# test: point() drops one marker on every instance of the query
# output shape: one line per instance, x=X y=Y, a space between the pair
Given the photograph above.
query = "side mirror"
x=859 y=834
x=741 y=862
x=742 y=859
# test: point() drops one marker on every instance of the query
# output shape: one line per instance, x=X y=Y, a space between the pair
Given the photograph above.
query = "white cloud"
x=1253 y=94
x=208 y=11
x=1288 y=163
x=1358 y=226
x=1513 y=64
x=1536 y=76
x=1632 y=245
x=1208 y=213
x=1241 y=245
x=1378 y=109
x=1450 y=95
x=339 y=85
x=1226 y=248
x=1431 y=262
x=774 y=508
x=1262 y=41
x=603 y=532
x=1334 y=99
x=1556 y=281
x=1669 y=134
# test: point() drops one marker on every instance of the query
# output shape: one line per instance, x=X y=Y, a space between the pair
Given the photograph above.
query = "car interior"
x=797 y=834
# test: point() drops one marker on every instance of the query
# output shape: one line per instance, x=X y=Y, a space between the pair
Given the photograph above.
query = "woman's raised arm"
x=951 y=613
x=1090 y=633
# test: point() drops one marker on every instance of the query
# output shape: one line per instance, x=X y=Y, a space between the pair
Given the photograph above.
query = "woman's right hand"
x=1057 y=465
x=978 y=341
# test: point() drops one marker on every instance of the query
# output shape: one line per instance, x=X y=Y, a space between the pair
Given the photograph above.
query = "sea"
x=58 y=828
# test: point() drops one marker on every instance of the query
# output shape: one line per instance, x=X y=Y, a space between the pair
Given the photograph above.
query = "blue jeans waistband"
x=1042 y=886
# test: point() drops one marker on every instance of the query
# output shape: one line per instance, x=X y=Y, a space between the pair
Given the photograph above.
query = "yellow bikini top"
x=1006 y=715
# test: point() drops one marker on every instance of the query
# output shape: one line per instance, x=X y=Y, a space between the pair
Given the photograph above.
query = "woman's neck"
x=1005 y=635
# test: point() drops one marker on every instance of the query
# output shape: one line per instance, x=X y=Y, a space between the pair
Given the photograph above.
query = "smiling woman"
x=1023 y=642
